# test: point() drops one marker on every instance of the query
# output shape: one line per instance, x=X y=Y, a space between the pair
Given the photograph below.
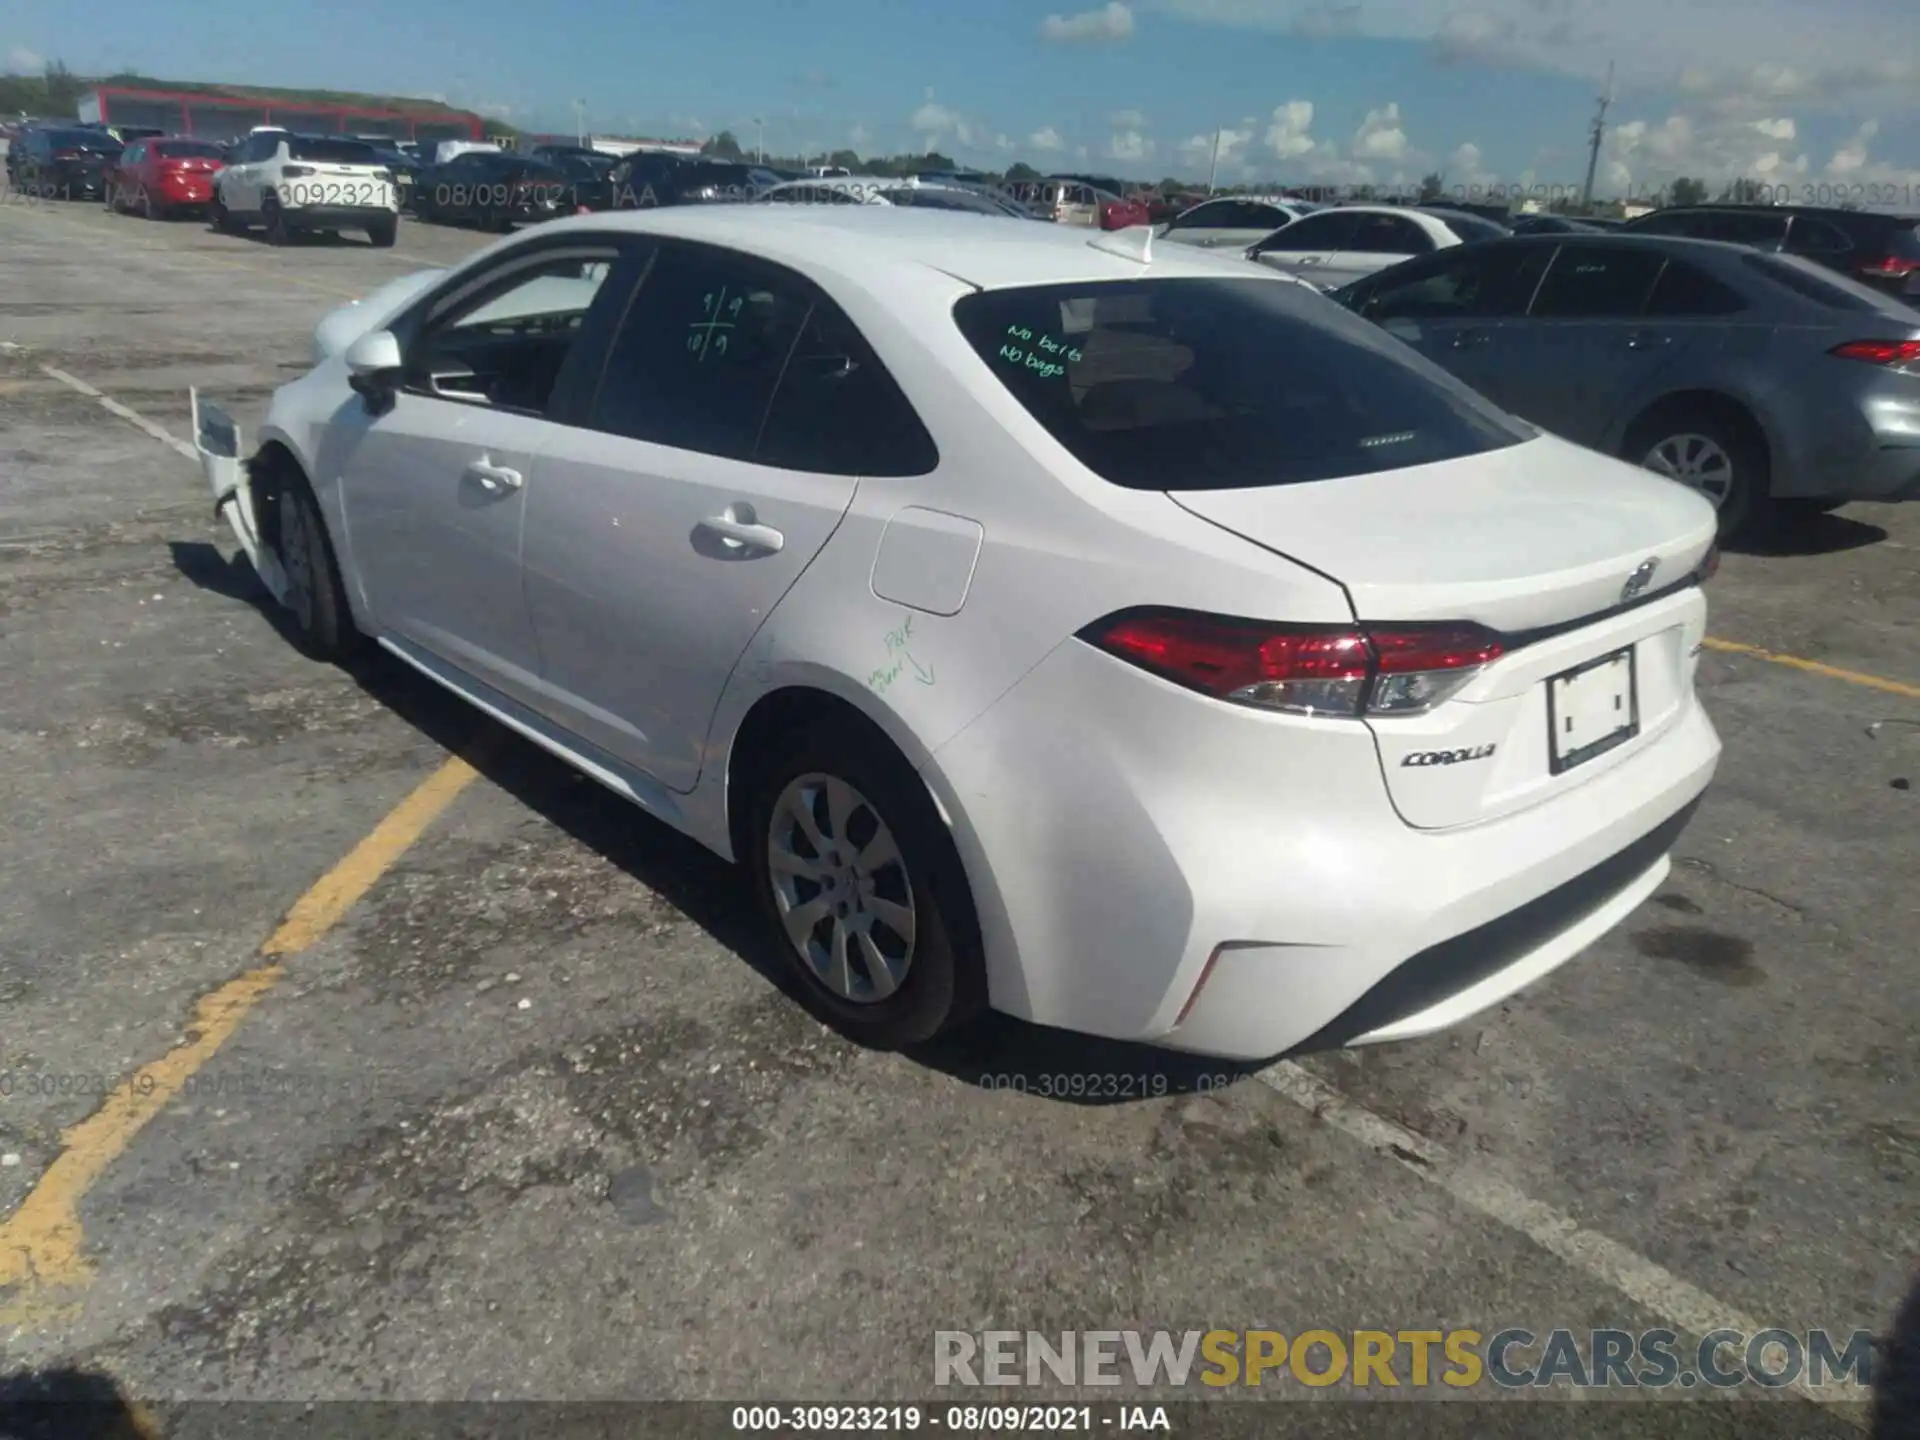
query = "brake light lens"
x=1880 y=352
x=296 y=171
x=1382 y=670
x=1890 y=267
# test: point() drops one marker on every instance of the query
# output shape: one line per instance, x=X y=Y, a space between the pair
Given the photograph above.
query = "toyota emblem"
x=1638 y=581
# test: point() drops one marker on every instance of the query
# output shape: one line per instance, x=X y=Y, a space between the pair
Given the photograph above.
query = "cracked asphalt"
x=532 y=1122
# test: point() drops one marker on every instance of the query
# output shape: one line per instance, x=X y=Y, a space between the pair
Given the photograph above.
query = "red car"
x=164 y=177
x=1123 y=214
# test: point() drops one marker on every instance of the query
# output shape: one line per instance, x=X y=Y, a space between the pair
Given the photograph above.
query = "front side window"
x=503 y=343
x=1460 y=283
x=1389 y=235
x=1203 y=384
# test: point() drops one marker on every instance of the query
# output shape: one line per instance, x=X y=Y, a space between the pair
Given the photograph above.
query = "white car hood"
x=344 y=324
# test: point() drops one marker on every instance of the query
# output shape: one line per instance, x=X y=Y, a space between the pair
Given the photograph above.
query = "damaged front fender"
x=216 y=439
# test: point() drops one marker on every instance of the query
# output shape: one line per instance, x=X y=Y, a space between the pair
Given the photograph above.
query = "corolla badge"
x=1638 y=581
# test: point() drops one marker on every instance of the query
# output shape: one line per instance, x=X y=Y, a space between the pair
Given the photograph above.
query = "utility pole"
x=1599 y=134
x=1213 y=169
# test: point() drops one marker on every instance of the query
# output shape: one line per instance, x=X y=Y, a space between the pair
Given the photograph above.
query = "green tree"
x=934 y=160
x=845 y=160
x=1686 y=191
x=1432 y=187
x=1744 y=192
x=723 y=147
x=1020 y=170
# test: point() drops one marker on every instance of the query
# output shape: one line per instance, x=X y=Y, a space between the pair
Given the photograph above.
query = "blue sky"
x=1802 y=93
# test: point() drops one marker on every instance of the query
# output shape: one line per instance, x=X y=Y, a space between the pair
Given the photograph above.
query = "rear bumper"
x=339 y=217
x=1237 y=884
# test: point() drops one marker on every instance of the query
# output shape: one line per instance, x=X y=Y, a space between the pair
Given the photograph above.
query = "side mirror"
x=373 y=367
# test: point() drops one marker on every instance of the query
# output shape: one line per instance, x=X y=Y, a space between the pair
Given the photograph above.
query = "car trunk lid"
x=1586 y=568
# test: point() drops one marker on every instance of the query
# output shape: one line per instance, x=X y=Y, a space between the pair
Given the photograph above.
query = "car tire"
x=278 y=231
x=383 y=235
x=1709 y=451
x=219 y=218
x=323 y=625
x=151 y=208
x=936 y=973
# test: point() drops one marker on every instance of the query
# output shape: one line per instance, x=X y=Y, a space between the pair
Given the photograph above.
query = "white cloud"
x=1129 y=145
x=1381 y=136
x=1642 y=156
x=1080 y=151
x=858 y=136
x=1127 y=120
x=1467 y=167
x=691 y=126
x=493 y=112
x=1108 y=25
x=22 y=61
x=937 y=122
x=1288 y=130
x=1842 y=55
x=1047 y=140
x=934 y=118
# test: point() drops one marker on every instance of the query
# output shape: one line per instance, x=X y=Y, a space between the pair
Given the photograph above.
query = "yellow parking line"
x=41 y=1243
x=1814 y=667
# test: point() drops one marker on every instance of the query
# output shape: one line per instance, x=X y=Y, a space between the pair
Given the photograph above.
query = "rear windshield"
x=82 y=139
x=1203 y=384
x=331 y=152
x=188 y=150
x=1811 y=282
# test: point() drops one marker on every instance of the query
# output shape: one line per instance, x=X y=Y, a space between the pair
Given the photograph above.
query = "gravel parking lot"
x=527 y=1119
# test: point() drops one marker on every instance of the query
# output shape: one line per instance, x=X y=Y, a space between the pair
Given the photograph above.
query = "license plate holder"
x=1592 y=708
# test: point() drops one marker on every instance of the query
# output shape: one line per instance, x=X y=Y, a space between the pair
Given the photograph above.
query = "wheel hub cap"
x=841 y=888
x=1696 y=461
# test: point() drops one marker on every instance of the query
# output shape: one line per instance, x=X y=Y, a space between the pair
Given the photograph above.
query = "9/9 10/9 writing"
x=963 y=1419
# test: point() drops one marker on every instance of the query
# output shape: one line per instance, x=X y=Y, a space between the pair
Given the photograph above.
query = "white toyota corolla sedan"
x=1126 y=639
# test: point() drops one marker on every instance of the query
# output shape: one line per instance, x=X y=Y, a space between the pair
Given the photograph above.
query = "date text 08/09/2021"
x=959 y=1419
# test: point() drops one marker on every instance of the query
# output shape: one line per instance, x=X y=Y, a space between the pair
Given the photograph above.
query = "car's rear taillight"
x=1890 y=267
x=1880 y=352
x=296 y=170
x=1376 y=669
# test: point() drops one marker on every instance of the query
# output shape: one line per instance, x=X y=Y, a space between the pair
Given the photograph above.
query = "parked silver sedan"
x=1770 y=385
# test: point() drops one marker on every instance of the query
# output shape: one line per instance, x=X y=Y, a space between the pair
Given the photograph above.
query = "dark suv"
x=648 y=178
x=63 y=162
x=1877 y=249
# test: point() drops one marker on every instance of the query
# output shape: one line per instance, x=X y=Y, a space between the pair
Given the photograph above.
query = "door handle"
x=1468 y=338
x=1307 y=260
x=739 y=529
x=1647 y=340
x=495 y=478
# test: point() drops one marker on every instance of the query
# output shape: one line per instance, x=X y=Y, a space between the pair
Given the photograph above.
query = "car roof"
x=881 y=248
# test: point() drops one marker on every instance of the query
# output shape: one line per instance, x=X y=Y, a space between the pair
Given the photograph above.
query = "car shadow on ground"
x=1810 y=535
x=997 y=1052
x=70 y=1404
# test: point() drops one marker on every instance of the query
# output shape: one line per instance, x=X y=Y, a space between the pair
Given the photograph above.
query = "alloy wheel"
x=1696 y=461
x=841 y=888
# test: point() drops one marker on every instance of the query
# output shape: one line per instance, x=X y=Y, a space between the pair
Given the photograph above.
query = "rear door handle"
x=1468 y=338
x=1647 y=340
x=739 y=528
x=495 y=479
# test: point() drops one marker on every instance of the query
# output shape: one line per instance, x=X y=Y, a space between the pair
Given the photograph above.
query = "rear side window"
x=1684 y=290
x=838 y=412
x=1597 y=282
x=1460 y=282
x=1825 y=289
x=331 y=152
x=700 y=352
x=1202 y=384
x=1742 y=228
x=187 y=150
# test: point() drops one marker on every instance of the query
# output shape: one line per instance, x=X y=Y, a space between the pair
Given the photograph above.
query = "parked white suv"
x=294 y=184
